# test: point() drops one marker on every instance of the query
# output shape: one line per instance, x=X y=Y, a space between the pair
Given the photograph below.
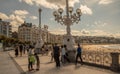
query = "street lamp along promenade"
x=39 y=42
x=69 y=19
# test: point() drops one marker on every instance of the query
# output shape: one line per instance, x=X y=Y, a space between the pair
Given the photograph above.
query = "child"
x=31 y=60
x=38 y=61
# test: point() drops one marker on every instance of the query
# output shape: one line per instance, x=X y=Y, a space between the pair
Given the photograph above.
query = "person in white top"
x=63 y=54
x=66 y=54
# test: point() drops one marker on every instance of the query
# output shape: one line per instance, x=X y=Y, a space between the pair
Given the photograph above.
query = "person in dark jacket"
x=56 y=51
x=21 y=49
x=16 y=51
x=79 y=50
x=38 y=61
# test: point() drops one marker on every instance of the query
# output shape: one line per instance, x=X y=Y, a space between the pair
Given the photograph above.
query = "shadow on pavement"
x=56 y=70
x=77 y=66
x=30 y=72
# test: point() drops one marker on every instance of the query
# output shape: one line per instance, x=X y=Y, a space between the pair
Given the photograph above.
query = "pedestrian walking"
x=65 y=54
x=24 y=48
x=27 y=48
x=16 y=51
x=56 y=51
x=62 y=54
x=52 y=53
x=21 y=49
x=37 y=61
x=46 y=49
x=79 y=51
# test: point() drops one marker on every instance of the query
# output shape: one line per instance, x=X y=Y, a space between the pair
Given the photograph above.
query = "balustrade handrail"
x=102 y=58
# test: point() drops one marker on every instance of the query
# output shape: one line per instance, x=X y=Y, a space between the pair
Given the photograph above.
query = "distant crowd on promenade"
x=58 y=54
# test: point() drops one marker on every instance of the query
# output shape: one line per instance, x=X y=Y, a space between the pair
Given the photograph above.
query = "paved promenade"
x=47 y=67
x=7 y=66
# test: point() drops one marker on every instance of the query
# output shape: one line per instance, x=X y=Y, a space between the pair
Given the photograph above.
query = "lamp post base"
x=71 y=55
x=68 y=40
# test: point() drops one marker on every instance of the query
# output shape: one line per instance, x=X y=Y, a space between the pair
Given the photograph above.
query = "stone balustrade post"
x=115 y=61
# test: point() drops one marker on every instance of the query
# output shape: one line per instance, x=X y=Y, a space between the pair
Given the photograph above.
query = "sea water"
x=117 y=46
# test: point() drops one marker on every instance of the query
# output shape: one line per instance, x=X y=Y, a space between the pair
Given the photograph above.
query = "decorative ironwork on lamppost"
x=40 y=42
x=69 y=19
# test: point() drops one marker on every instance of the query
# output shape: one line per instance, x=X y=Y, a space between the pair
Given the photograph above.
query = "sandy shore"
x=101 y=47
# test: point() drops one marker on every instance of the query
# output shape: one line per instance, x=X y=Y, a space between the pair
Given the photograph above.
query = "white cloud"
x=72 y=2
x=27 y=1
x=17 y=18
x=90 y=2
x=105 y=2
x=47 y=3
x=73 y=32
x=52 y=4
x=100 y=24
x=15 y=25
x=83 y=31
x=3 y=16
x=86 y=10
x=117 y=35
x=21 y=12
x=33 y=17
x=58 y=31
x=12 y=17
x=51 y=19
x=76 y=32
x=104 y=24
x=99 y=33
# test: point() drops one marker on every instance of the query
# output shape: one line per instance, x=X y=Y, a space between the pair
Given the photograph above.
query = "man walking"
x=56 y=51
x=37 y=61
x=21 y=49
x=79 y=50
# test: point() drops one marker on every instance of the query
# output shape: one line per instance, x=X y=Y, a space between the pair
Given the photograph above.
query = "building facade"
x=29 y=32
x=25 y=32
x=5 y=28
x=15 y=35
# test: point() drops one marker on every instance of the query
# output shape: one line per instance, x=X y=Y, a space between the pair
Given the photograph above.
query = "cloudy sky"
x=99 y=17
